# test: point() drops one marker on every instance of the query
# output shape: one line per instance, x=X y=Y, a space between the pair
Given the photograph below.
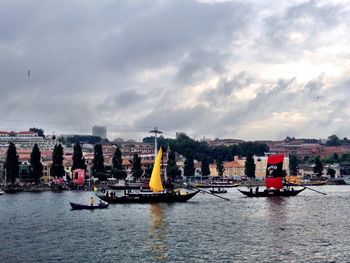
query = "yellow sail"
x=156 y=182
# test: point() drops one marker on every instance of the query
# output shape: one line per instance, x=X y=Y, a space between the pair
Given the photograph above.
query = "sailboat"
x=273 y=181
x=157 y=194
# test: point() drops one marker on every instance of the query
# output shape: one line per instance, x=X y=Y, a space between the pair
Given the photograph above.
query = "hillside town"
x=233 y=169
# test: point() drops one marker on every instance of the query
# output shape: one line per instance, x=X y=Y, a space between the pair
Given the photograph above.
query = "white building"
x=25 y=140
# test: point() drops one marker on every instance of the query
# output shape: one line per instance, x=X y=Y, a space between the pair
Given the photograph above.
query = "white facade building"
x=25 y=140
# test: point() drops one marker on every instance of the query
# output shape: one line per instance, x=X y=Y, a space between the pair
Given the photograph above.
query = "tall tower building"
x=99 y=131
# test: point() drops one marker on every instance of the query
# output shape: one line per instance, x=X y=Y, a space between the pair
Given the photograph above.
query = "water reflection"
x=157 y=233
x=276 y=208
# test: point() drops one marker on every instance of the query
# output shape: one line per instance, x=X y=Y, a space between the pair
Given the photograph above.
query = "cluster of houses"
x=234 y=169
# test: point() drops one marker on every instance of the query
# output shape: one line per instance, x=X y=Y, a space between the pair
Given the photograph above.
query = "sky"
x=251 y=70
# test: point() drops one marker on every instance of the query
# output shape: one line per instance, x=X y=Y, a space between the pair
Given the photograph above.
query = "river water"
x=41 y=227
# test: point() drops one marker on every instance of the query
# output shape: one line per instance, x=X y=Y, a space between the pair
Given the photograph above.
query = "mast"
x=155 y=131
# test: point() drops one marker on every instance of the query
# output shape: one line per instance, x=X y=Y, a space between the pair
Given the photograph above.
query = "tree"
x=78 y=159
x=333 y=140
x=172 y=171
x=249 y=166
x=117 y=163
x=220 y=167
x=40 y=132
x=205 y=166
x=136 y=166
x=36 y=167
x=331 y=172
x=293 y=165
x=98 y=168
x=57 y=169
x=318 y=168
x=11 y=164
x=189 y=166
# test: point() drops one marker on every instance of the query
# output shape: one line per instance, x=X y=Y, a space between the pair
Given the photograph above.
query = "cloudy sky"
x=230 y=69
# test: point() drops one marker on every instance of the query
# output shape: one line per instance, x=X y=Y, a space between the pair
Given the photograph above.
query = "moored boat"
x=218 y=191
x=12 y=189
x=2 y=192
x=76 y=206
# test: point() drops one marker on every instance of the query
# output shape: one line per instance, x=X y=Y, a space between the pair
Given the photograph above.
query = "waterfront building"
x=99 y=131
x=25 y=140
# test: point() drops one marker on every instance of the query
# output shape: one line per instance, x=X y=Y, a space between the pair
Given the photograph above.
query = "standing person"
x=92 y=201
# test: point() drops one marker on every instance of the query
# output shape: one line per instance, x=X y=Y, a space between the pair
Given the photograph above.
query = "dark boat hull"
x=218 y=191
x=269 y=193
x=88 y=207
x=13 y=189
x=171 y=197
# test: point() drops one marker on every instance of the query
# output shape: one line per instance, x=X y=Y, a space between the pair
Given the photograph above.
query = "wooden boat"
x=157 y=195
x=273 y=181
x=76 y=206
x=218 y=191
x=13 y=189
x=272 y=192
x=57 y=187
x=151 y=197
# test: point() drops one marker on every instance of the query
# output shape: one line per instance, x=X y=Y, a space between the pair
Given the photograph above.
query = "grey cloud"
x=87 y=62
x=310 y=19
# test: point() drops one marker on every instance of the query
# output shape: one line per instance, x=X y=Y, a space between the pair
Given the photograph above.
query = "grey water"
x=41 y=227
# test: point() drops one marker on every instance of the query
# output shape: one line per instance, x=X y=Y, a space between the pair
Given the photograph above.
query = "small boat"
x=157 y=195
x=273 y=181
x=2 y=192
x=218 y=191
x=76 y=206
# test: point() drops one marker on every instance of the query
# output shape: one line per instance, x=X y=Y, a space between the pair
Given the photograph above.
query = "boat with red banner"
x=273 y=181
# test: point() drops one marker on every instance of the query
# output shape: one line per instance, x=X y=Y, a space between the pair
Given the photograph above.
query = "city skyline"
x=226 y=69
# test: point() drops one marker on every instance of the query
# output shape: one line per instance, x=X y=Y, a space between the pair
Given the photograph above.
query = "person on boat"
x=101 y=203
x=92 y=201
x=251 y=190
x=107 y=194
x=257 y=189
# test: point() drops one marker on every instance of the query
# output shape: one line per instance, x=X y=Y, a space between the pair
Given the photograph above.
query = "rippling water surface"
x=40 y=227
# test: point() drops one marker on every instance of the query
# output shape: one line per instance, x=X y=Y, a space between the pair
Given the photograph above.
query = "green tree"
x=11 y=163
x=148 y=171
x=333 y=140
x=40 y=132
x=219 y=166
x=189 y=166
x=98 y=168
x=173 y=172
x=57 y=169
x=318 y=167
x=249 y=166
x=205 y=166
x=331 y=172
x=293 y=165
x=78 y=159
x=36 y=167
x=117 y=161
x=136 y=166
